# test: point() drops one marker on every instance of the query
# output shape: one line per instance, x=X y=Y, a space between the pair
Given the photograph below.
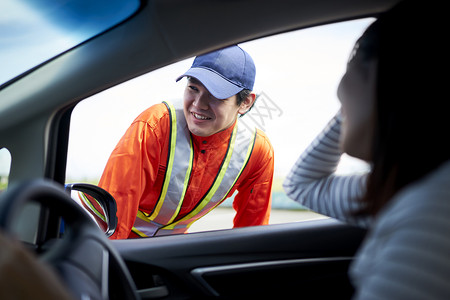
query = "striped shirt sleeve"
x=314 y=184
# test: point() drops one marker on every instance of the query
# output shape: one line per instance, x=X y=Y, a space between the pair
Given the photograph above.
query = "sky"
x=297 y=75
x=32 y=31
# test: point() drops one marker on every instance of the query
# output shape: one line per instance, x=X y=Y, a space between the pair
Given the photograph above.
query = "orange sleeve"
x=132 y=166
x=254 y=198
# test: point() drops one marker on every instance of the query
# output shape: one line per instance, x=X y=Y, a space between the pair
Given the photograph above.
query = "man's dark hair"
x=241 y=96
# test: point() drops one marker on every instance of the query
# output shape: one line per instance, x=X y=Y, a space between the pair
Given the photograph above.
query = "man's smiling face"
x=206 y=115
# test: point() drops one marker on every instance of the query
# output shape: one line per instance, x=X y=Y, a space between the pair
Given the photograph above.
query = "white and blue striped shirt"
x=406 y=253
x=313 y=183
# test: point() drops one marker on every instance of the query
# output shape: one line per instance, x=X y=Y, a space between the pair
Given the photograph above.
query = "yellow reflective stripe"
x=173 y=137
x=143 y=216
x=215 y=185
x=247 y=157
x=186 y=181
x=86 y=201
x=139 y=233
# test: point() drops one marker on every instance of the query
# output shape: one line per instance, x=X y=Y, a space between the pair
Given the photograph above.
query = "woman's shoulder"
x=425 y=203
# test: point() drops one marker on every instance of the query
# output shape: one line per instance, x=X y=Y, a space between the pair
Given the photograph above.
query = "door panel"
x=305 y=258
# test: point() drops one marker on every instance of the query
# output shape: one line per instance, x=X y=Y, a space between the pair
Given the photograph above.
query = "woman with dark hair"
x=392 y=116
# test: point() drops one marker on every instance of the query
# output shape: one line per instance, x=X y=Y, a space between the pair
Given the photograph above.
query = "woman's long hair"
x=412 y=127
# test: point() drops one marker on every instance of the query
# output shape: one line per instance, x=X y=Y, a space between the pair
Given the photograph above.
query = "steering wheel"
x=83 y=257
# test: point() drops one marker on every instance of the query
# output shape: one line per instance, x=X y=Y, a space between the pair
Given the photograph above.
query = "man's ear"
x=247 y=103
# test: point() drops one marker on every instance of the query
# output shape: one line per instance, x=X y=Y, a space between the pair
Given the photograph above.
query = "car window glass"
x=33 y=31
x=296 y=81
x=5 y=165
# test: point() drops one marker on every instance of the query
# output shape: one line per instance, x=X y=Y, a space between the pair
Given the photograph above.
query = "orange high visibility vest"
x=135 y=172
x=180 y=160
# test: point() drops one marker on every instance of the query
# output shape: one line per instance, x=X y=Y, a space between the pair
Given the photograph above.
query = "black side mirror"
x=98 y=203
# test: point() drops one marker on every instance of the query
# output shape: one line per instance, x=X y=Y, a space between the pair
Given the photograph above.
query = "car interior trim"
x=199 y=273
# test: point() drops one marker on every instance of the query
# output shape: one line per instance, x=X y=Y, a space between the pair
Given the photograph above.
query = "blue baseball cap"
x=224 y=72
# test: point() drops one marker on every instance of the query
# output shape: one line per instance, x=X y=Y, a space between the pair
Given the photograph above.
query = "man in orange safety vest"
x=178 y=161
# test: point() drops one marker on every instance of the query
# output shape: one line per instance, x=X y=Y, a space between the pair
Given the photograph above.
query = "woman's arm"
x=313 y=183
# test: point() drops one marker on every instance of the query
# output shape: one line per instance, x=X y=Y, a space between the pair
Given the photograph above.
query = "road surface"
x=222 y=218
